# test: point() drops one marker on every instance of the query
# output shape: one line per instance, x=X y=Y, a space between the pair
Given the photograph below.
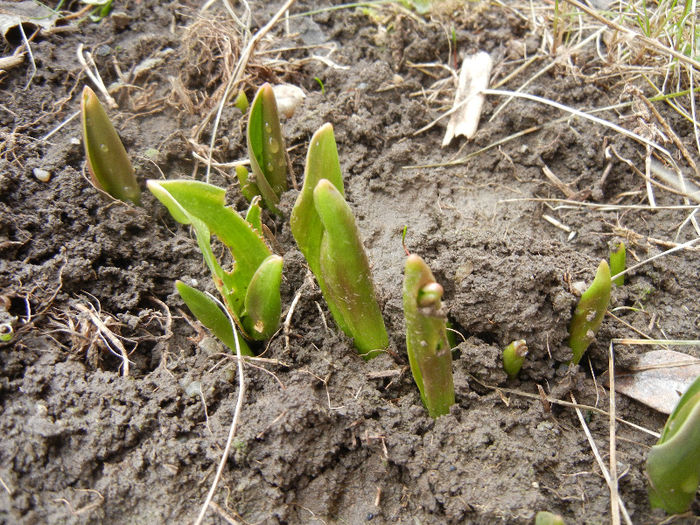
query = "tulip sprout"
x=325 y=231
x=548 y=518
x=618 y=262
x=429 y=352
x=251 y=291
x=673 y=464
x=266 y=149
x=589 y=312
x=513 y=357
x=107 y=160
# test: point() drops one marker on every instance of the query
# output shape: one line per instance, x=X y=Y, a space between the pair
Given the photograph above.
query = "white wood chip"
x=473 y=78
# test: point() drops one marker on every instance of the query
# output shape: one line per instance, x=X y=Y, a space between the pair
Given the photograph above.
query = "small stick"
x=568 y=192
x=554 y=222
x=290 y=312
x=561 y=402
x=29 y=52
x=57 y=128
x=666 y=342
x=647 y=178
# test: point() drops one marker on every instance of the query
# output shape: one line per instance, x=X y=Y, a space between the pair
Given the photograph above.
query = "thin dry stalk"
x=614 y=489
x=93 y=74
x=599 y=459
x=634 y=35
x=561 y=402
x=235 y=77
x=108 y=337
x=234 y=422
x=657 y=256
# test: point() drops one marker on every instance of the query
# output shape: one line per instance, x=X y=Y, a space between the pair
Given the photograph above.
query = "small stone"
x=42 y=175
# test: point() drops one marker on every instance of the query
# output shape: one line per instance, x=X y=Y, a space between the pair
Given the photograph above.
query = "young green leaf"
x=548 y=518
x=346 y=273
x=241 y=101
x=266 y=148
x=618 y=263
x=514 y=356
x=211 y=316
x=107 y=160
x=248 y=187
x=261 y=316
x=673 y=464
x=6 y=332
x=321 y=163
x=429 y=352
x=589 y=312
x=251 y=290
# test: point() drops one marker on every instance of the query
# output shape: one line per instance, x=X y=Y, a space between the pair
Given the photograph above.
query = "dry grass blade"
x=657 y=256
x=108 y=335
x=633 y=34
x=580 y=114
x=599 y=459
x=234 y=422
x=614 y=489
x=235 y=77
x=664 y=342
x=561 y=402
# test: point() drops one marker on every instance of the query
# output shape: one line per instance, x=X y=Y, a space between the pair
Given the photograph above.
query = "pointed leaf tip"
x=107 y=160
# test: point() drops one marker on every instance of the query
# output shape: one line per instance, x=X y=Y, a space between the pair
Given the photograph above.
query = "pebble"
x=42 y=175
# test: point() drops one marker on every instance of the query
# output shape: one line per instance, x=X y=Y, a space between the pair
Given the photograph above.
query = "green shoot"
x=589 y=312
x=618 y=263
x=248 y=187
x=548 y=518
x=673 y=464
x=322 y=86
x=325 y=231
x=513 y=357
x=107 y=160
x=6 y=332
x=241 y=101
x=101 y=10
x=210 y=315
x=251 y=290
x=429 y=352
x=266 y=148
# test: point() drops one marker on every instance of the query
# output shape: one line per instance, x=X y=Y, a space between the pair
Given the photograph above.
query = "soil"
x=324 y=437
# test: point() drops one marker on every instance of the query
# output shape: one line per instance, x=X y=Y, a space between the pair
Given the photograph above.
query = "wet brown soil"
x=324 y=437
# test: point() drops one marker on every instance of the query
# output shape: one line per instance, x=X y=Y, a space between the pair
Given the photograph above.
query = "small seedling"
x=325 y=231
x=107 y=160
x=241 y=101
x=6 y=332
x=513 y=357
x=618 y=263
x=251 y=290
x=429 y=352
x=101 y=10
x=266 y=149
x=589 y=312
x=548 y=518
x=673 y=464
x=320 y=83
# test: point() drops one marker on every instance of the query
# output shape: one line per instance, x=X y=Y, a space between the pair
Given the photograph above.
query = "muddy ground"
x=324 y=436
